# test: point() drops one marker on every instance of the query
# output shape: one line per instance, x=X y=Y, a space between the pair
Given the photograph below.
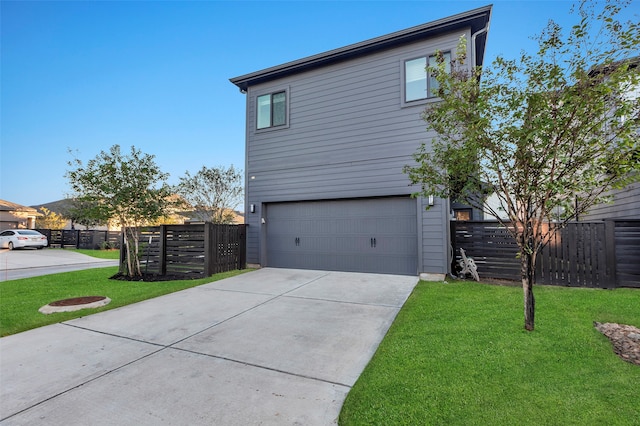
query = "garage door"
x=366 y=235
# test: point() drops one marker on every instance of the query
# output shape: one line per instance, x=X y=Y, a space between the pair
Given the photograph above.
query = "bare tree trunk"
x=127 y=245
x=123 y=254
x=136 y=242
x=132 y=247
x=527 y=269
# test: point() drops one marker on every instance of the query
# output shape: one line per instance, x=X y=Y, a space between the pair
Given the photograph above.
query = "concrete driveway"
x=27 y=263
x=269 y=347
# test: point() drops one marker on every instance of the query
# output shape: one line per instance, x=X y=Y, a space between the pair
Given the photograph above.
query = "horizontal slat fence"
x=583 y=254
x=490 y=245
x=627 y=252
x=198 y=250
x=81 y=239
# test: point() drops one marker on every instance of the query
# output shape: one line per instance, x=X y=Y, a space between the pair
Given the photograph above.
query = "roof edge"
x=8 y=206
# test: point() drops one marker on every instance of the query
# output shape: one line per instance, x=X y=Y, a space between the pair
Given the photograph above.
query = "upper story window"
x=419 y=84
x=272 y=110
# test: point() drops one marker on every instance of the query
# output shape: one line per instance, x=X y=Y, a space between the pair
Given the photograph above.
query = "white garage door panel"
x=369 y=235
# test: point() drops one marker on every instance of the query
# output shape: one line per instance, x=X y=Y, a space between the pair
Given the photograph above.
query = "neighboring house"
x=327 y=137
x=14 y=216
x=193 y=217
x=62 y=207
x=625 y=203
x=494 y=203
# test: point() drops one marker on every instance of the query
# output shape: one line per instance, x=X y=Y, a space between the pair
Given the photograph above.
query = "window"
x=419 y=85
x=272 y=110
x=463 y=214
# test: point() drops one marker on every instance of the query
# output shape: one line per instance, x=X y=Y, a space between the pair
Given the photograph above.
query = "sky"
x=77 y=77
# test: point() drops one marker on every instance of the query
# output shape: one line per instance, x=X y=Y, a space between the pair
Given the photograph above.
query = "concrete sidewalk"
x=270 y=347
x=27 y=263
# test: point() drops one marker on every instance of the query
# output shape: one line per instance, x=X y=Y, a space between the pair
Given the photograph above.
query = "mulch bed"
x=74 y=304
x=625 y=340
x=77 y=301
x=154 y=278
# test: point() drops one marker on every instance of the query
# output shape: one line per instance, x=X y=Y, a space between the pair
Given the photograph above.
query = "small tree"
x=214 y=192
x=130 y=189
x=50 y=220
x=553 y=131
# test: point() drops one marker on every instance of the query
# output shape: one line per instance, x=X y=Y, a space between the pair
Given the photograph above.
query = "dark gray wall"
x=626 y=205
x=349 y=136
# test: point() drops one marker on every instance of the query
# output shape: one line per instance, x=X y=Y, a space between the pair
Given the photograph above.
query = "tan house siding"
x=14 y=216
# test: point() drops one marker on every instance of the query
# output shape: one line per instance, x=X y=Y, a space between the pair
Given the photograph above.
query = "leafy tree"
x=50 y=220
x=550 y=131
x=130 y=189
x=214 y=192
x=85 y=213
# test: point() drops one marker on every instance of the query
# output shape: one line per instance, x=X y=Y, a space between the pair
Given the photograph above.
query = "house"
x=625 y=203
x=65 y=206
x=327 y=137
x=13 y=216
x=194 y=216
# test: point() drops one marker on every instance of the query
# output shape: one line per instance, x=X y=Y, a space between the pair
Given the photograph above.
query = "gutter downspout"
x=473 y=40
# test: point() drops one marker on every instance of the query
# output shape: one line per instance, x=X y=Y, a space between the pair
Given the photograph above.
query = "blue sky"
x=155 y=74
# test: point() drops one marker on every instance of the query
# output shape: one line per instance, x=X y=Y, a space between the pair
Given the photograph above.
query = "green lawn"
x=458 y=354
x=21 y=299
x=102 y=254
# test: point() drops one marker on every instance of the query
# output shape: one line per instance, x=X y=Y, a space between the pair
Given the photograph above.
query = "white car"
x=18 y=238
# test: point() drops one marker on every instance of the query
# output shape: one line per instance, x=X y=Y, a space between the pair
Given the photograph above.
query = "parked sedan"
x=18 y=238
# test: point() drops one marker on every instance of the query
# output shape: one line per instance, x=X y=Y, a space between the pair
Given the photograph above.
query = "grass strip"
x=458 y=354
x=100 y=254
x=20 y=299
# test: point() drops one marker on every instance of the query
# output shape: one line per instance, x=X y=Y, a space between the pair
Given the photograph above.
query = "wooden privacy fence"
x=602 y=254
x=89 y=239
x=192 y=251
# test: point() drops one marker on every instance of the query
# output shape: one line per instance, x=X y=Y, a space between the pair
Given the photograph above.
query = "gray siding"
x=435 y=248
x=348 y=136
x=625 y=205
